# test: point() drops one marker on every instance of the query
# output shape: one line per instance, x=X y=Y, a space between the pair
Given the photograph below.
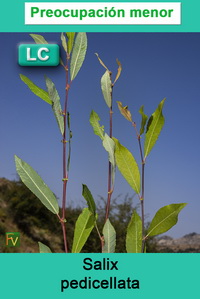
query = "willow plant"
x=107 y=89
x=108 y=143
x=74 y=47
x=167 y=216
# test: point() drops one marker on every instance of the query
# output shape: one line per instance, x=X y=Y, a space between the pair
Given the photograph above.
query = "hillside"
x=188 y=243
x=21 y=211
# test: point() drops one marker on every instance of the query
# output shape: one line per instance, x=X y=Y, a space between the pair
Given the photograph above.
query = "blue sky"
x=155 y=65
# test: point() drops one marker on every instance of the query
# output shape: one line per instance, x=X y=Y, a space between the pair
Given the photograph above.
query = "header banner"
x=93 y=13
x=100 y=16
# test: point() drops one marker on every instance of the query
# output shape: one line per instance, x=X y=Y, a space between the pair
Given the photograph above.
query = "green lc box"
x=38 y=55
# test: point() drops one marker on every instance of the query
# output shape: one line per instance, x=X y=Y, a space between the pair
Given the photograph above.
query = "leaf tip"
x=16 y=158
x=83 y=188
x=92 y=112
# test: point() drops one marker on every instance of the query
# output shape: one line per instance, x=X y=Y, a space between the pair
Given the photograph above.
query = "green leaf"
x=154 y=127
x=38 y=39
x=106 y=87
x=35 y=183
x=89 y=198
x=127 y=166
x=83 y=228
x=109 y=146
x=70 y=42
x=43 y=248
x=94 y=121
x=144 y=119
x=56 y=106
x=164 y=219
x=78 y=54
x=109 y=235
x=134 y=234
x=41 y=93
x=64 y=42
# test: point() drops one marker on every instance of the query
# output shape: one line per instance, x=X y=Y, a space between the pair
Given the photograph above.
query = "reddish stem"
x=110 y=188
x=142 y=195
x=65 y=173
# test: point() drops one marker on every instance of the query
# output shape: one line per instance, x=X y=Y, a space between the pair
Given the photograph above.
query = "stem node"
x=67 y=87
x=64 y=141
x=65 y=179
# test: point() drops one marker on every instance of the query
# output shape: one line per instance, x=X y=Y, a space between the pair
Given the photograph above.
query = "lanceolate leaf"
x=109 y=235
x=70 y=42
x=106 y=87
x=89 y=198
x=164 y=219
x=83 y=228
x=109 y=146
x=41 y=93
x=127 y=166
x=134 y=234
x=154 y=127
x=43 y=248
x=38 y=39
x=35 y=183
x=62 y=63
x=101 y=62
x=64 y=42
x=94 y=121
x=78 y=54
x=124 y=111
x=56 y=106
x=144 y=119
x=118 y=71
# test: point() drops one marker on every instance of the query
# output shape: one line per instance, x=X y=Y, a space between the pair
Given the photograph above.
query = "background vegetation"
x=21 y=211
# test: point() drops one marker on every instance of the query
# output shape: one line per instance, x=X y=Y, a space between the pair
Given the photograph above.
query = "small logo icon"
x=13 y=239
x=38 y=55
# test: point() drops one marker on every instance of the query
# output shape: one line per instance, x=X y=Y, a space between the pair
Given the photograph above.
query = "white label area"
x=102 y=13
